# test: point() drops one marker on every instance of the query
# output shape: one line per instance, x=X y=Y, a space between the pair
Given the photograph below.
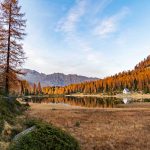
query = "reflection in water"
x=126 y=100
x=146 y=100
x=93 y=102
x=80 y=101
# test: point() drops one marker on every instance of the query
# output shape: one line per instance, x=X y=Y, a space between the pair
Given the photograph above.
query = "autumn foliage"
x=135 y=80
x=12 y=26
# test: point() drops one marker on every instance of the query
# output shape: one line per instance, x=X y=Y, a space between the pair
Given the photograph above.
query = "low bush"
x=77 y=124
x=45 y=137
x=9 y=109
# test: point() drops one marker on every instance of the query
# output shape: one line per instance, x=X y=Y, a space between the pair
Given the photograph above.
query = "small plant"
x=1 y=125
x=77 y=124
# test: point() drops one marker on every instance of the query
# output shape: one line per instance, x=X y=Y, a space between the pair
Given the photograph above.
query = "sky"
x=95 y=38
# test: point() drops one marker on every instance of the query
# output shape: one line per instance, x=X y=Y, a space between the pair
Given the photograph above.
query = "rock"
x=25 y=132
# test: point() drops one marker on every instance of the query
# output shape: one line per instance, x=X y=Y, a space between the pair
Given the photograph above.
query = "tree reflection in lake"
x=91 y=102
x=109 y=102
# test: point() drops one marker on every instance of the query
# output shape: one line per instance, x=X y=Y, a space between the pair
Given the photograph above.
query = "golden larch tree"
x=12 y=55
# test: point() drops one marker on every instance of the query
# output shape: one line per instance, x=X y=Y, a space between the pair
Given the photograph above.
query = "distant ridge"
x=55 y=79
x=136 y=80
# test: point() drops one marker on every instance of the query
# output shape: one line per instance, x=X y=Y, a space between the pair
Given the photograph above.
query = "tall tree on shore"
x=12 y=54
x=1 y=59
x=34 y=89
x=39 y=88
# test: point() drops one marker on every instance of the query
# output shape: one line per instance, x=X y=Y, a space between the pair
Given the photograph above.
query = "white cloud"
x=111 y=24
x=107 y=26
x=68 y=23
x=99 y=5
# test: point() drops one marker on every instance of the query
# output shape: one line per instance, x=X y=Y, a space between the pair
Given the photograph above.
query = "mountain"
x=55 y=79
x=137 y=80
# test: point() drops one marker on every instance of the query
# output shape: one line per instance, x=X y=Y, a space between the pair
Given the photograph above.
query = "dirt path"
x=100 y=129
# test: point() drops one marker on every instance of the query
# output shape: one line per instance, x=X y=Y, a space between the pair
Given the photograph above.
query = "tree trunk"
x=8 y=55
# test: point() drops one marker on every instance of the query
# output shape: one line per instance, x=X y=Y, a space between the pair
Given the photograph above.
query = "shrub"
x=9 y=109
x=77 y=124
x=1 y=125
x=45 y=137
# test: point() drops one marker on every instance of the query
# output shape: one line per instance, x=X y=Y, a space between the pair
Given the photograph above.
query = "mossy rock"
x=46 y=137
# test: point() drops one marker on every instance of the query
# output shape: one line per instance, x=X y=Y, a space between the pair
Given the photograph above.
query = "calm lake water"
x=93 y=102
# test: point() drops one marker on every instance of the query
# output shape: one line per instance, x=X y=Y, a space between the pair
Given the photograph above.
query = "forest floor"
x=100 y=129
x=133 y=95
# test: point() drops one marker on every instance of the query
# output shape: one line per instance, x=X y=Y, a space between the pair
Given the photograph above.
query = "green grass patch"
x=9 y=109
x=45 y=137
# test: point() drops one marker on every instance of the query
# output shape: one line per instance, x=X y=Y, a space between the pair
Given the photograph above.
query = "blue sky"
x=87 y=37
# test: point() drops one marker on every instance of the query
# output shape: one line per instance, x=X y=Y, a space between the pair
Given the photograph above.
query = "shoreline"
x=59 y=107
x=134 y=96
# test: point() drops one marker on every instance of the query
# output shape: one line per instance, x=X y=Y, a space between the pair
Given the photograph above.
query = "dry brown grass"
x=101 y=129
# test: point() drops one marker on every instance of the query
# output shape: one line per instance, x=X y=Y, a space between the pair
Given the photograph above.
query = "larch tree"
x=34 y=89
x=2 y=58
x=11 y=52
x=39 y=88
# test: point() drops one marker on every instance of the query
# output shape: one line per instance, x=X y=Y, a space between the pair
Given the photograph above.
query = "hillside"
x=144 y=64
x=56 y=79
x=137 y=79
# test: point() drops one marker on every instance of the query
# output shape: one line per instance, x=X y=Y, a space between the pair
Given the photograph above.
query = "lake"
x=92 y=102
